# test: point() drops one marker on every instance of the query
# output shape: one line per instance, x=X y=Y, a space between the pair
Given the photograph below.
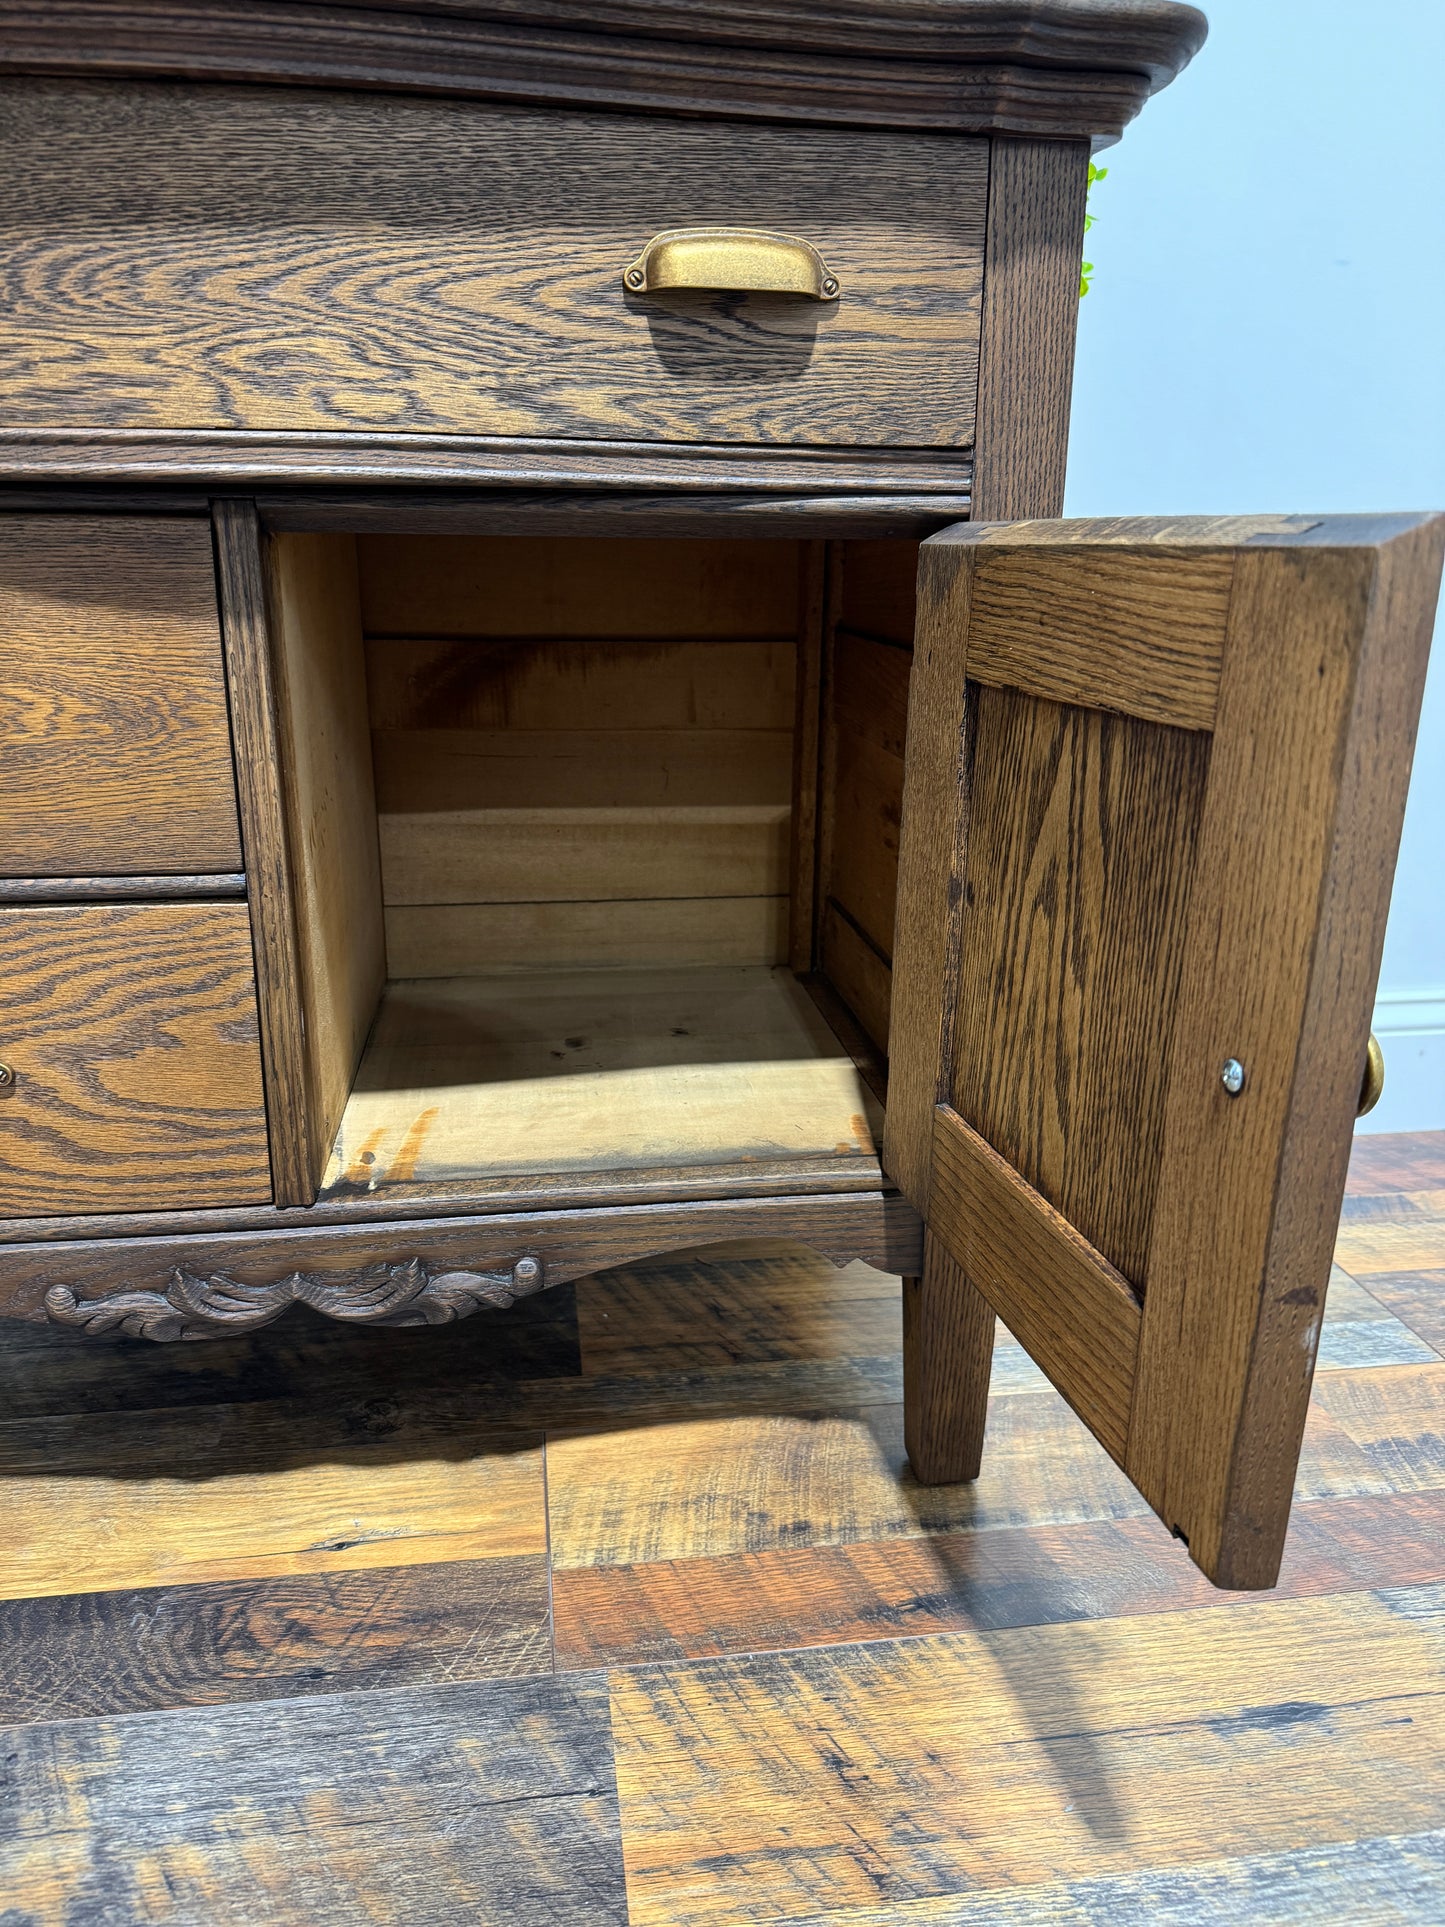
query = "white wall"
x=1266 y=331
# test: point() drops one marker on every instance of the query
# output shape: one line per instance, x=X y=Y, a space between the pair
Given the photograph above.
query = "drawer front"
x=134 y=1072
x=269 y=259
x=115 y=750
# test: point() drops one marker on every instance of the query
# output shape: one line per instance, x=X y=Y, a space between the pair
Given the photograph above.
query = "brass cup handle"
x=1373 y=1083
x=742 y=258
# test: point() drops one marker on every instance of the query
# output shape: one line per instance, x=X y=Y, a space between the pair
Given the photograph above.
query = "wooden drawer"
x=115 y=750
x=129 y=1032
x=213 y=257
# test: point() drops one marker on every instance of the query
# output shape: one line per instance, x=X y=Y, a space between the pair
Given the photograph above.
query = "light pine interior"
x=544 y=799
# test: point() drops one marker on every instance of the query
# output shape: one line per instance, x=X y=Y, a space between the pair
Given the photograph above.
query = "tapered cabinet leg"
x=947 y=1355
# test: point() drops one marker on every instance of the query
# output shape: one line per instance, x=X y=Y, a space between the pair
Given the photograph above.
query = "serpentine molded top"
x=1050 y=68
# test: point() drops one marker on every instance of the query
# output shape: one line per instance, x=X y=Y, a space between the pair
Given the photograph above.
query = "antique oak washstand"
x=466 y=655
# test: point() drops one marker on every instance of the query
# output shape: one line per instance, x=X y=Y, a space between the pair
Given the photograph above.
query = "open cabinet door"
x=1156 y=772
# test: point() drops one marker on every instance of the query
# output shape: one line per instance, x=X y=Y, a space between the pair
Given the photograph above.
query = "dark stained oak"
x=141 y=889
x=130 y=1030
x=878 y=1227
x=1014 y=64
x=948 y=1340
x=1036 y=196
x=304 y=261
x=114 y=749
x=1099 y=909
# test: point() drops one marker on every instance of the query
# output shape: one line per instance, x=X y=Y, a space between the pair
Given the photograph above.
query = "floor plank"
x=91 y=1654
x=1417 y=1298
x=1020 y=1576
x=726 y=1485
x=199 y=1494
x=433 y=1806
x=1385 y=1882
x=1389 y=1161
x=773 y=1787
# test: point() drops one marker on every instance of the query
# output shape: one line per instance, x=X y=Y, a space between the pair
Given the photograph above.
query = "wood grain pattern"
x=870 y=690
x=131 y=1032
x=1081 y=831
x=86 y=1655
x=585 y=854
x=441 y=301
x=271 y=879
x=932 y=865
x=1026 y=69
x=257 y=1491
x=115 y=753
x=1030 y=1575
x=462 y=939
x=1036 y=195
x=578 y=586
x=874 y=1225
x=595 y=683
x=794 y=510
x=1071 y=1310
x=137 y=889
x=380 y=461
x=199 y=1815
x=948 y=1336
x=1140 y=631
x=867 y=809
x=1000 y=1760
x=1324 y=665
x=551 y=769
x=879 y=590
x=818 y=600
x=1417 y=1299
x=596 y=1070
x=590 y=757
x=325 y=752
x=857 y=971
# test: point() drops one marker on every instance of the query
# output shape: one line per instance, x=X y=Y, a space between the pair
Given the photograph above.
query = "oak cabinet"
x=532 y=767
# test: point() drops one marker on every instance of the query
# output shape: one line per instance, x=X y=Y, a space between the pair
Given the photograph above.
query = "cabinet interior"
x=594 y=850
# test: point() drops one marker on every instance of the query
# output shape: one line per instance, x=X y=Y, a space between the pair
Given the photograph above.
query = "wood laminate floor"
x=620 y=1606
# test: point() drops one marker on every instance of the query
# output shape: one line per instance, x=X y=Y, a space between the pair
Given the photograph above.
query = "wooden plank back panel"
x=217 y=257
x=457 y=939
x=115 y=751
x=627 y=589
x=1100 y=910
x=130 y=1030
x=1082 y=825
x=561 y=728
x=517 y=682
x=580 y=768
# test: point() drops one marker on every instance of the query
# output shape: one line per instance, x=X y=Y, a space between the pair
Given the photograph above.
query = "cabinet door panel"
x=129 y=1032
x=1156 y=774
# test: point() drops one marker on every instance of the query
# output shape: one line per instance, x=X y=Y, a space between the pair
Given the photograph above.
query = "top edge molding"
x=1062 y=69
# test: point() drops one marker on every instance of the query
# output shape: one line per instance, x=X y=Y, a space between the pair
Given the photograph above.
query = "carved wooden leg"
x=947 y=1355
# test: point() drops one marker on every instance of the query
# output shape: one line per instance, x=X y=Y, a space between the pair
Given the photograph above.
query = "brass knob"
x=7 y=1077
x=1373 y=1083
